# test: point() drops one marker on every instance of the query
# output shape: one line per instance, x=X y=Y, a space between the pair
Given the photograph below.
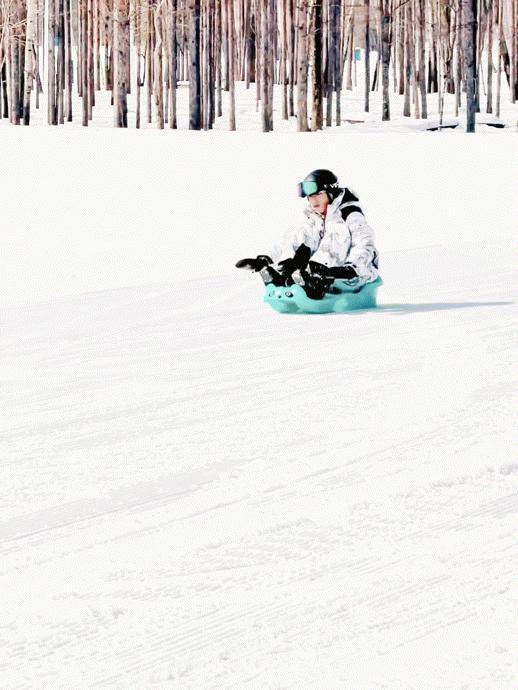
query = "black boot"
x=315 y=286
x=262 y=264
x=280 y=274
x=270 y=275
x=256 y=264
x=298 y=262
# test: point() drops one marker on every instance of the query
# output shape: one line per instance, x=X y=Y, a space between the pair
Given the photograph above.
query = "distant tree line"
x=307 y=47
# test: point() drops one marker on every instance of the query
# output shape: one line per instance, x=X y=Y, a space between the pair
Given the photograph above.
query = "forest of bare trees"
x=52 y=51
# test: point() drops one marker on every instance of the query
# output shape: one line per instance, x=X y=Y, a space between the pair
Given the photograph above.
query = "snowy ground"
x=198 y=492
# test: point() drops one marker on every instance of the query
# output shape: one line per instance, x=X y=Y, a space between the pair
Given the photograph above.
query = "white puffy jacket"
x=343 y=237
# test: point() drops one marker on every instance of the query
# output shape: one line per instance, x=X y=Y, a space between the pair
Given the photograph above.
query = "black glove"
x=256 y=264
x=318 y=269
x=297 y=263
x=346 y=272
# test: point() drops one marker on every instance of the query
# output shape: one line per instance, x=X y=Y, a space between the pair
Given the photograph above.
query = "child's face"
x=319 y=202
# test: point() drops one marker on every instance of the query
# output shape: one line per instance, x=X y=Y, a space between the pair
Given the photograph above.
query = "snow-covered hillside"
x=198 y=492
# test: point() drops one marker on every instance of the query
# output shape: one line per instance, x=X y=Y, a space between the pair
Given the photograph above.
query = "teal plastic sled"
x=343 y=297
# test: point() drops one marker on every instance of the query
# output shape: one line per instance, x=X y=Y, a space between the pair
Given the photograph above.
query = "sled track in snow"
x=193 y=481
x=229 y=629
x=255 y=494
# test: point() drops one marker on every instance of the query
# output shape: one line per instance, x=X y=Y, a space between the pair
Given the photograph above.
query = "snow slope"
x=198 y=492
x=110 y=208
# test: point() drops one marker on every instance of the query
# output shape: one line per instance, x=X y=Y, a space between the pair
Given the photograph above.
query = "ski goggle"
x=307 y=188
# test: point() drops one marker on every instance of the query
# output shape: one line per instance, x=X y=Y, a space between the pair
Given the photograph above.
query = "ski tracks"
x=295 y=502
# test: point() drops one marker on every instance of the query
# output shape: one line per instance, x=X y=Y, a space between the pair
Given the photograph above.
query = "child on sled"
x=333 y=242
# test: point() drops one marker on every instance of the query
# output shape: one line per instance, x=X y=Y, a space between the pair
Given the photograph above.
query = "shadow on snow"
x=435 y=306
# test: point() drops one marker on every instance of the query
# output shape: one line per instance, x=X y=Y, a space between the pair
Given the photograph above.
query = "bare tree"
x=490 y=10
x=469 y=19
x=421 y=70
x=316 y=35
x=29 y=60
x=195 y=75
x=120 y=67
x=158 y=87
x=433 y=46
x=231 y=60
x=386 y=40
x=302 y=74
x=367 y=43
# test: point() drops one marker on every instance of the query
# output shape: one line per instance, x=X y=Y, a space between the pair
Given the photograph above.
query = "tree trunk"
x=459 y=58
x=302 y=74
x=284 y=60
x=84 y=61
x=330 y=61
x=68 y=59
x=409 y=59
x=4 y=94
x=120 y=71
x=231 y=61
x=336 y=14
x=366 y=89
x=138 y=40
x=265 y=51
x=195 y=75
x=514 y=52
x=489 y=103
x=350 y=54
x=385 y=56
x=149 y=62
x=158 y=86
x=60 y=72
x=29 y=61
x=51 y=66
x=90 y=59
x=401 y=50
x=219 y=98
x=316 y=34
x=108 y=53
x=292 y=57
x=173 y=123
x=469 y=14
x=421 y=14
x=499 y=59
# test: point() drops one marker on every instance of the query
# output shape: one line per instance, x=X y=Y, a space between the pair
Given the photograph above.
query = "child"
x=333 y=242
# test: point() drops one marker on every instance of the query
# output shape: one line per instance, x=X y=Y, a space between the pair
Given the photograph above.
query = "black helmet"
x=318 y=181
